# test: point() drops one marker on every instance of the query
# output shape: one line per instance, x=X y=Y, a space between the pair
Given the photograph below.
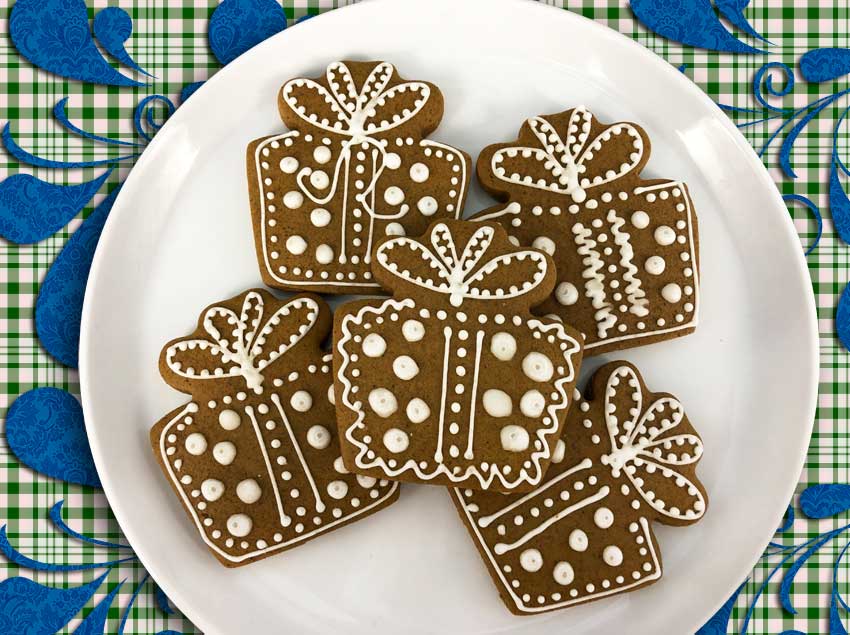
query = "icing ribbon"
x=358 y=119
x=442 y=270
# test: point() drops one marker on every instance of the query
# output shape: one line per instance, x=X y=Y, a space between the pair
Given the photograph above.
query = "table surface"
x=170 y=40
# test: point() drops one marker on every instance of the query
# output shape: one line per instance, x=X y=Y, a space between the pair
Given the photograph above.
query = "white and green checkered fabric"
x=170 y=40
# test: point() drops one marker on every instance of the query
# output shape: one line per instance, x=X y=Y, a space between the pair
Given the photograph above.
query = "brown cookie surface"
x=626 y=249
x=627 y=457
x=254 y=456
x=453 y=381
x=354 y=167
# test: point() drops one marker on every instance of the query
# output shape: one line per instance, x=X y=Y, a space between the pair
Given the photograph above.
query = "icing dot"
x=578 y=540
x=320 y=217
x=248 y=491
x=296 y=245
x=563 y=573
x=560 y=450
x=337 y=489
x=532 y=403
x=392 y=161
x=224 y=452
x=427 y=205
x=301 y=401
x=196 y=444
x=413 y=330
x=603 y=518
x=318 y=437
x=394 y=229
x=324 y=254
x=514 y=438
x=396 y=440
x=319 y=179
x=655 y=265
x=393 y=195
x=640 y=219
x=537 y=367
x=322 y=154
x=212 y=489
x=672 y=293
x=566 y=293
x=665 y=235
x=531 y=560
x=374 y=345
x=339 y=466
x=293 y=199
x=417 y=410
x=229 y=419
x=419 y=172
x=405 y=367
x=503 y=346
x=613 y=556
x=497 y=403
x=545 y=244
x=366 y=481
x=239 y=525
x=383 y=402
x=288 y=165
x=331 y=396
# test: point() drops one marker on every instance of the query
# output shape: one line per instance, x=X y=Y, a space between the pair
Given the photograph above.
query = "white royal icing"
x=239 y=525
x=224 y=452
x=497 y=403
x=538 y=367
x=503 y=346
x=531 y=560
x=532 y=403
x=413 y=330
x=229 y=419
x=212 y=489
x=318 y=437
x=417 y=410
x=566 y=293
x=405 y=368
x=396 y=440
x=196 y=444
x=374 y=345
x=301 y=401
x=563 y=573
x=514 y=438
x=612 y=555
x=248 y=491
x=578 y=540
x=383 y=402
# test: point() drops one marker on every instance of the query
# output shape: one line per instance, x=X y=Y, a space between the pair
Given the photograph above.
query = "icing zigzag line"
x=595 y=284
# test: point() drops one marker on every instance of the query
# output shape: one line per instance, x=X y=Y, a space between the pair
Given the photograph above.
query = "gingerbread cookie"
x=355 y=167
x=254 y=456
x=626 y=248
x=627 y=458
x=453 y=381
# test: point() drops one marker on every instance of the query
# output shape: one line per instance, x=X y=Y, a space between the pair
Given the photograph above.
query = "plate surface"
x=179 y=237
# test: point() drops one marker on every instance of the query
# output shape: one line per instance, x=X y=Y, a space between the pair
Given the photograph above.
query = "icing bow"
x=443 y=270
x=647 y=447
x=236 y=345
x=568 y=166
x=359 y=115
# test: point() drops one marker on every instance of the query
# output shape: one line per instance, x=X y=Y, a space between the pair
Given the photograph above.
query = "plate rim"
x=186 y=111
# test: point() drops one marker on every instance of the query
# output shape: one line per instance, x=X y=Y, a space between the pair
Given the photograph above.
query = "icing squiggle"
x=595 y=285
x=634 y=293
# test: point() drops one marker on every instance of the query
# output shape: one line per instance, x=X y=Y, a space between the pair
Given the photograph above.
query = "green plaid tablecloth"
x=170 y=40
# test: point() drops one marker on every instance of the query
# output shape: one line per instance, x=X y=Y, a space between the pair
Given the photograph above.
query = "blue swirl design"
x=32 y=608
x=816 y=502
x=695 y=23
x=54 y=35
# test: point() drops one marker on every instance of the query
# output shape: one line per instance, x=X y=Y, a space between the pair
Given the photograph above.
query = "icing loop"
x=645 y=446
x=237 y=346
x=568 y=162
x=443 y=270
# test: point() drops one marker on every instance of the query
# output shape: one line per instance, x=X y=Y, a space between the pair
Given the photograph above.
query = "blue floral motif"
x=45 y=430
x=238 y=25
x=695 y=23
x=59 y=307
x=55 y=36
x=112 y=27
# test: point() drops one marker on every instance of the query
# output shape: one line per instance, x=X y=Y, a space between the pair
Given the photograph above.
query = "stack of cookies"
x=464 y=375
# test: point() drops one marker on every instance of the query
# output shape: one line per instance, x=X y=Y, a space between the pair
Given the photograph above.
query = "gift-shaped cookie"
x=626 y=248
x=627 y=458
x=453 y=380
x=254 y=456
x=355 y=167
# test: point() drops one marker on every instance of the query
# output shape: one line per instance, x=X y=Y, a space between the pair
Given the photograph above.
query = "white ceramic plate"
x=180 y=237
